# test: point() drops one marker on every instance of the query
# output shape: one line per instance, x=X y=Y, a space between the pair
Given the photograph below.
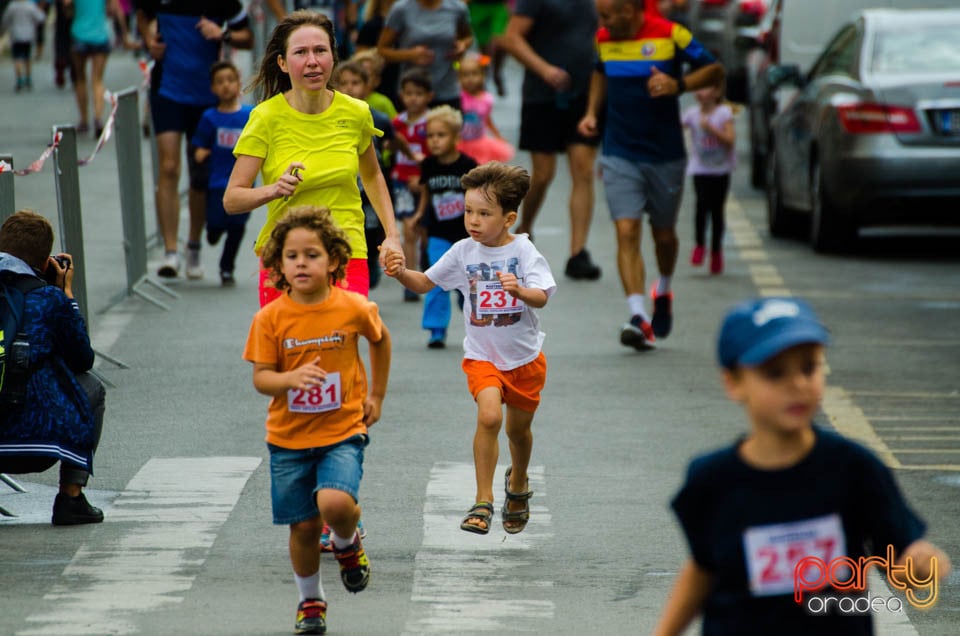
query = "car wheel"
x=758 y=160
x=830 y=230
x=780 y=220
x=758 y=169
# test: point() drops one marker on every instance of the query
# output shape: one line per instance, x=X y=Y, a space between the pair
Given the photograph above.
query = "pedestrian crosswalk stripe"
x=172 y=510
x=467 y=582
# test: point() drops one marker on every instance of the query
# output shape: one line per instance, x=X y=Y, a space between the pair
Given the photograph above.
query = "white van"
x=794 y=32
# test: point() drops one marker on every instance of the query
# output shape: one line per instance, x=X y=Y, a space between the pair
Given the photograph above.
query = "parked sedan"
x=872 y=135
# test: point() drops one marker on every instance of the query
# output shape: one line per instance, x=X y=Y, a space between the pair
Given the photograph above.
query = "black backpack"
x=14 y=348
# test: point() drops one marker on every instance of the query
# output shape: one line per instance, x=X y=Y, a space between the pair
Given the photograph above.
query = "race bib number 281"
x=316 y=399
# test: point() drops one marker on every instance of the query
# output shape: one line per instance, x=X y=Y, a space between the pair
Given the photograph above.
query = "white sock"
x=663 y=285
x=309 y=586
x=636 y=303
x=339 y=542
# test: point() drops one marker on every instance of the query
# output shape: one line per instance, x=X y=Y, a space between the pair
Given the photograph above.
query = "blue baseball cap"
x=754 y=331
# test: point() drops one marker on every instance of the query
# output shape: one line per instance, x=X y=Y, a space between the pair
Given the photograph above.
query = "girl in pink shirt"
x=479 y=138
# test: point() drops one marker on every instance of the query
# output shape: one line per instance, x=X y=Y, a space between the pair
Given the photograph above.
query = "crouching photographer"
x=51 y=407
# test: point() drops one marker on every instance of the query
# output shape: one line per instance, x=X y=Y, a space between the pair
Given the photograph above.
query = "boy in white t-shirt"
x=505 y=279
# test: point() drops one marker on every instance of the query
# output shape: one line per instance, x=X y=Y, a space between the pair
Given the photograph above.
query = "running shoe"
x=638 y=334
x=580 y=267
x=696 y=256
x=194 y=266
x=327 y=546
x=170 y=268
x=438 y=339
x=716 y=263
x=354 y=565
x=311 y=617
x=227 y=279
x=662 y=320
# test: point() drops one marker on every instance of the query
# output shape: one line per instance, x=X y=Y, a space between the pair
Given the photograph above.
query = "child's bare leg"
x=410 y=236
x=339 y=510
x=520 y=436
x=486 y=448
x=305 y=547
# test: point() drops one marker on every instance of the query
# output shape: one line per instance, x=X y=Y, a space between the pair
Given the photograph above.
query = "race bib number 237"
x=492 y=299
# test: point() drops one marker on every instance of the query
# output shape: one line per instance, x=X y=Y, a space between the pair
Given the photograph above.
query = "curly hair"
x=29 y=237
x=270 y=80
x=310 y=217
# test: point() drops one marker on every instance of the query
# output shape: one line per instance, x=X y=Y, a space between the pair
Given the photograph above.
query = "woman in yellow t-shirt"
x=309 y=142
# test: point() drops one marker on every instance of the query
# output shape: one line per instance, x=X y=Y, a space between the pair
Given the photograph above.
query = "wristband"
x=681 y=86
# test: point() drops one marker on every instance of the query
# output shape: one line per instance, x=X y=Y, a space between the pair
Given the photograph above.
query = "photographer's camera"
x=50 y=274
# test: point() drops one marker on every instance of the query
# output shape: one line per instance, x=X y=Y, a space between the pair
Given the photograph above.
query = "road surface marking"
x=172 y=510
x=838 y=404
x=850 y=421
x=467 y=582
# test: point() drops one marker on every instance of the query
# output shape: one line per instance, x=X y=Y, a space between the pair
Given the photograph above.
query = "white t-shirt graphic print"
x=499 y=329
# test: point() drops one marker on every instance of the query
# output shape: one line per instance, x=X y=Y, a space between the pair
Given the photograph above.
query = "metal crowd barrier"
x=126 y=125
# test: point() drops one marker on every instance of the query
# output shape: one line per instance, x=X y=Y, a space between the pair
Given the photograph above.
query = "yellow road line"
x=838 y=404
x=925 y=395
x=849 y=419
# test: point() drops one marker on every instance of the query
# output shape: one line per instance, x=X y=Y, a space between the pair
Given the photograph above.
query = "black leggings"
x=711 y=192
x=228 y=258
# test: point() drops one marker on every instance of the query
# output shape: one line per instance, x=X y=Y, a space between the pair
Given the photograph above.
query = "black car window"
x=923 y=48
x=839 y=56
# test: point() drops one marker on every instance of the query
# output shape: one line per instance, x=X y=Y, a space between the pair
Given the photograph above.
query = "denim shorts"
x=297 y=475
x=90 y=48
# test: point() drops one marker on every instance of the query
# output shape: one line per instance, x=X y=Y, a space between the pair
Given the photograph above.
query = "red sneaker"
x=696 y=256
x=716 y=263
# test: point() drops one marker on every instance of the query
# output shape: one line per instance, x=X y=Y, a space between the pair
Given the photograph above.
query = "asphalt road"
x=188 y=547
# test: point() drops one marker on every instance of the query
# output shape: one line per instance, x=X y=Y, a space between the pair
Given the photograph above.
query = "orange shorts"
x=519 y=387
x=357 y=279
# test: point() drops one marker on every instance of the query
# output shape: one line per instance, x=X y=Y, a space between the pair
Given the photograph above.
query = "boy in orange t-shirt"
x=304 y=347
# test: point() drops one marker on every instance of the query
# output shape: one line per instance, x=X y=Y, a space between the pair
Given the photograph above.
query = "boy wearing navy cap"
x=780 y=523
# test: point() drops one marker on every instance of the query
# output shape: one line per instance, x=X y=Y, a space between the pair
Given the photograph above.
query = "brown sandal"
x=481 y=511
x=520 y=517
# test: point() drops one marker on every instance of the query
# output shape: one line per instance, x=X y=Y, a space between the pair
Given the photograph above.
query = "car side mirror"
x=778 y=76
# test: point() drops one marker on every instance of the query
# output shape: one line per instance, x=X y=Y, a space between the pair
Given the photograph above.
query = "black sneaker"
x=311 y=617
x=638 y=334
x=438 y=339
x=662 y=321
x=227 y=279
x=73 y=511
x=580 y=267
